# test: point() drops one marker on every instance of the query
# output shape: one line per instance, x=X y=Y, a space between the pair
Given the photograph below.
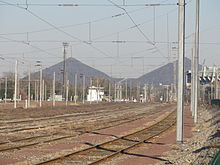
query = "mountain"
x=164 y=74
x=73 y=66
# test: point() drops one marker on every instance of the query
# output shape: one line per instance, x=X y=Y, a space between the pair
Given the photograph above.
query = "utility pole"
x=192 y=84
x=97 y=90
x=18 y=85
x=38 y=90
x=67 y=91
x=120 y=92
x=216 y=83
x=154 y=24
x=40 y=85
x=43 y=90
x=75 y=95
x=29 y=87
x=167 y=89
x=109 y=91
x=64 y=67
x=6 y=89
x=145 y=93
x=35 y=90
x=115 y=92
x=196 y=67
x=168 y=44
x=54 y=89
x=138 y=92
x=216 y=88
x=83 y=89
x=90 y=92
x=174 y=79
x=130 y=92
x=16 y=79
x=180 y=100
x=126 y=90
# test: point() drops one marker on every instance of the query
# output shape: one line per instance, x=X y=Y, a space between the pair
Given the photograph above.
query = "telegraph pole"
x=75 y=95
x=97 y=90
x=6 y=88
x=90 y=92
x=196 y=67
x=53 y=89
x=45 y=91
x=192 y=106
x=216 y=83
x=43 y=88
x=35 y=90
x=126 y=90
x=29 y=87
x=115 y=92
x=180 y=100
x=145 y=93
x=130 y=92
x=64 y=67
x=83 y=89
x=168 y=44
x=40 y=85
x=109 y=91
x=67 y=91
x=154 y=23
x=16 y=79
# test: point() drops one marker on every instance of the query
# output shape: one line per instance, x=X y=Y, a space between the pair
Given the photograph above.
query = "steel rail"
x=65 y=137
x=170 y=119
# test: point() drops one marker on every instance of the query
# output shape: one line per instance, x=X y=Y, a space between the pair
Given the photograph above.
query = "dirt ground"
x=55 y=122
x=61 y=126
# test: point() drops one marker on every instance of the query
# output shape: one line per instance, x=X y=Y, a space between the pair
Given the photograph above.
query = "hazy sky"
x=36 y=31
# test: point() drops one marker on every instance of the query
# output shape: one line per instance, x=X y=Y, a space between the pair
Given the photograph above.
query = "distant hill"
x=164 y=74
x=73 y=66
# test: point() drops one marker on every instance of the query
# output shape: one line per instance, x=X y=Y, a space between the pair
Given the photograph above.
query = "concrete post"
x=181 y=50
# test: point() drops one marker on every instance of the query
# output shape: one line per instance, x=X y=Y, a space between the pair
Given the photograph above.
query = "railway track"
x=34 y=124
x=20 y=126
x=43 y=139
x=76 y=112
x=100 y=153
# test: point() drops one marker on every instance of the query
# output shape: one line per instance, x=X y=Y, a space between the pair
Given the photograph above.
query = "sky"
x=113 y=36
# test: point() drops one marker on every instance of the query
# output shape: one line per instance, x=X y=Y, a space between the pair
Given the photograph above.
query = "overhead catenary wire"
x=87 y=5
x=58 y=29
x=98 y=20
x=73 y=25
x=106 y=41
x=99 y=41
x=26 y=43
x=146 y=37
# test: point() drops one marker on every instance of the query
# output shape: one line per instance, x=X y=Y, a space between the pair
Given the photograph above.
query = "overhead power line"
x=137 y=27
x=73 y=25
x=103 y=41
x=58 y=29
x=86 y=5
x=26 y=43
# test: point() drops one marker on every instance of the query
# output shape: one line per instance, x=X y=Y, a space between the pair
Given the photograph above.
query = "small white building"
x=95 y=93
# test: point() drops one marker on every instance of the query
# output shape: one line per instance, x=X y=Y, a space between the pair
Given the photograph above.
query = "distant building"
x=57 y=98
x=206 y=76
x=95 y=93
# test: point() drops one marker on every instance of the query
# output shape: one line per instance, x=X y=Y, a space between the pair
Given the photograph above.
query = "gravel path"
x=201 y=148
